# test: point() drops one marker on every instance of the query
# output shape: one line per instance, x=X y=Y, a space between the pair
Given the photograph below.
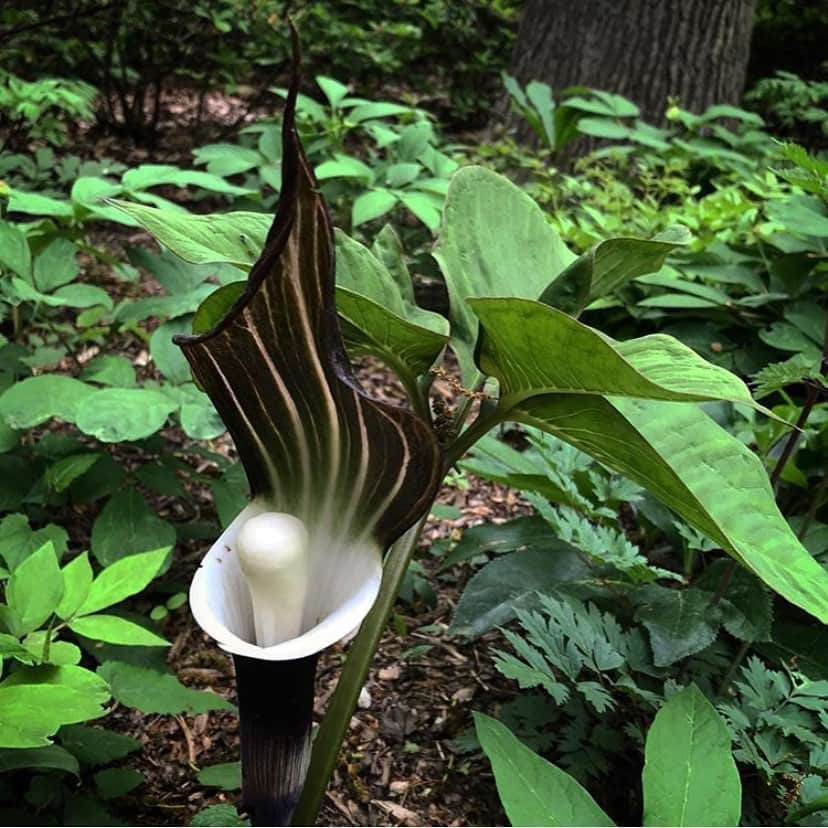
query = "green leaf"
x=426 y=206
x=226 y=776
x=116 y=371
x=167 y=356
x=10 y=647
x=94 y=746
x=380 y=317
x=776 y=376
x=171 y=272
x=532 y=790
x=607 y=266
x=226 y=237
x=214 y=308
x=146 y=176
x=495 y=241
x=199 y=418
x=529 y=347
x=55 y=265
x=126 y=577
x=372 y=205
x=153 y=692
x=51 y=757
x=115 y=630
x=747 y=610
x=83 y=296
x=162 y=307
x=699 y=470
x=77 y=580
x=126 y=526
x=60 y=475
x=37 y=399
x=34 y=590
x=218 y=816
x=14 y=251
x=114 y=782
x=681 y=622
x=114 y=415
x=60 y=652
x=36 y=701
x=18 y=540
x=39 y=205
x=689 y=776
x=227 y=159
x=512 y=582
x=344 y=166
x=523 y=533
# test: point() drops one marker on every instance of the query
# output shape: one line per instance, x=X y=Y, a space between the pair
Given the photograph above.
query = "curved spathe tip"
x=343 y=582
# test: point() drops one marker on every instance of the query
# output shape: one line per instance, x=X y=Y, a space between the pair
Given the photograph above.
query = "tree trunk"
x=646 y=50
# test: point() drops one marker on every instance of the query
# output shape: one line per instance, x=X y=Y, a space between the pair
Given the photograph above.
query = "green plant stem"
x=479 y=428
x=731 y=671
x=47 y=644
x=334 y=725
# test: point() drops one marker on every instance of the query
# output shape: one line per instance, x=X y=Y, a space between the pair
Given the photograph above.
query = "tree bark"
x=646 y=50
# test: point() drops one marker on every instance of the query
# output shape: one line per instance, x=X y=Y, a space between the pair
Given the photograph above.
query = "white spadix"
x=276 y=588
x=273 y=555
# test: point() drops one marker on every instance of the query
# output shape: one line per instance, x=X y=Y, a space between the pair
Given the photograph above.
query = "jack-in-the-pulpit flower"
x=335 y=477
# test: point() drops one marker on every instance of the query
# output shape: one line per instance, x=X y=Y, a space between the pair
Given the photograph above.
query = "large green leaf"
x=378 y=310
x=697 y=469
x=534 y=349
x=236 y=238
x=155 y=175
x=495 y=241
x=689 y=776
x=532 y=790
x=77 y=579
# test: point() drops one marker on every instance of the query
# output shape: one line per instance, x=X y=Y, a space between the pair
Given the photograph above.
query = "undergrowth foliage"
x=611 y=607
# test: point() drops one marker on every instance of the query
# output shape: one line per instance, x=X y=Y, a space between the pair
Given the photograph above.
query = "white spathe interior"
x=343 y=581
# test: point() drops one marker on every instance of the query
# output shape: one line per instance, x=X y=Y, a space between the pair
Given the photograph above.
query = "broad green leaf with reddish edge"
x=355 y=471
x=689 y=776
x=532 y=790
